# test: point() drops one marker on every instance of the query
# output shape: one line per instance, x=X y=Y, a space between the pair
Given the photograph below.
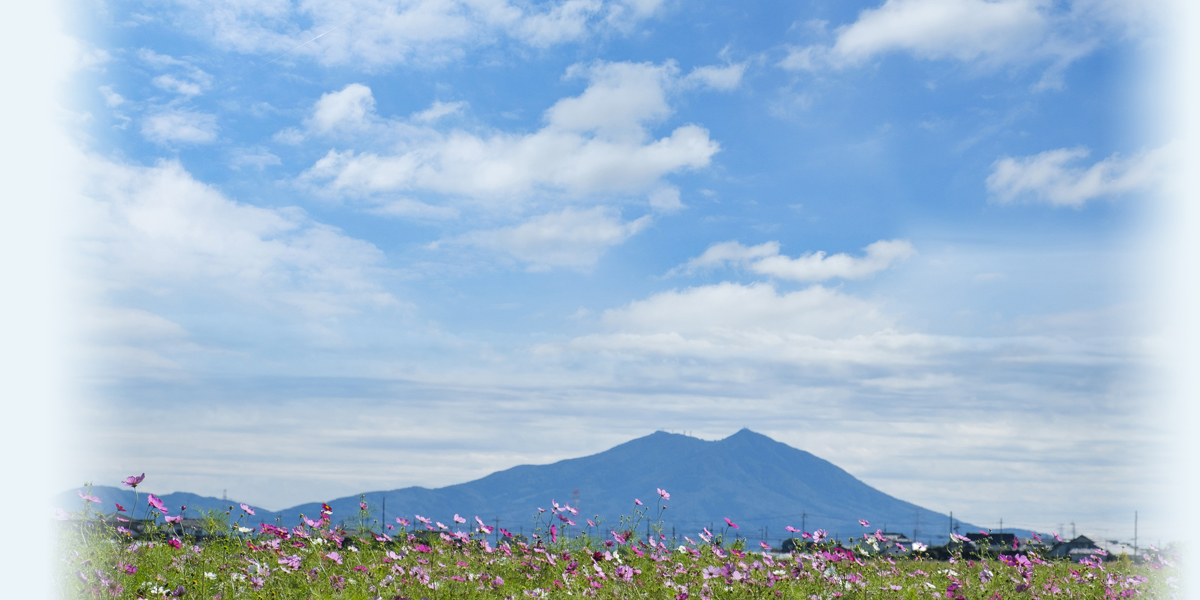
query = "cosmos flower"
x=249 y=511
x=87 y=497
x=731 y=523
x=663 y=493
x=156 y=503
x=863 y=522
x=133 y=480
x=458 y=519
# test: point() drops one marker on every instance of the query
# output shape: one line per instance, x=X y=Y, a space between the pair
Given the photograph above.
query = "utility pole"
x=383 y=517
x=1001 y=524
x=1073 y=536
x=1135 y=545
x=951 y=535
x=803 y=521
x=496 y=530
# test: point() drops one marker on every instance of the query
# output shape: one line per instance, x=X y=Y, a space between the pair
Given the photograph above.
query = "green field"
x=222 y=560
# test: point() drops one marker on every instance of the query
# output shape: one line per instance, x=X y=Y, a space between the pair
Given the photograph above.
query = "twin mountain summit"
x=761 y=484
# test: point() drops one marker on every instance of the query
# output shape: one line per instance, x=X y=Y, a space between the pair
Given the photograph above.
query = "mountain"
x=755 y=481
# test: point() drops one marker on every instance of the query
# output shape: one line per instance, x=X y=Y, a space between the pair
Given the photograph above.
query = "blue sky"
x=329 y=247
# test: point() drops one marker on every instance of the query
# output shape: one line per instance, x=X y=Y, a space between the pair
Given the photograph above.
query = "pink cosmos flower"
x=731 y=523
x=133 y=480
x=863 y=522
x=422 y=519
x=61 y=515
x=458 y=519
x=335 y=557
x=119 y=507
x=663 y=493
x=402 y=522
x=124 y=531
x=87 y=497
x=122 y=520
x=792 y=529
x=440 y=525
x=1055 y=534
x=174 y=519
x=553 y=533
x=637 y=502
x=249 y=511
x=156 y=503
x=590 y=523
x=819 y=535
x=764 y=545
x=362 y=505
x=879 y=535
x=919 y=547
x=174 y=543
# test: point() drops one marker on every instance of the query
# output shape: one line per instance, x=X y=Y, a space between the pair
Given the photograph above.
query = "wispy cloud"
x=1054 y=176
x=180 y=126
x=571 y=238
x=765 y=259
x=378 y=33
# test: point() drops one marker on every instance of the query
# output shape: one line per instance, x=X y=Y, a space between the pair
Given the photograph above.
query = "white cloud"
x=186 y=81
x=407 y=207
x=258 y=158
x=158 y=229
x=349 y=108
x=1052 y=177
x=438 y=110
x=111 y=98
x=813 y=266
x=724 y=78
x=377 y=33
x=571 y=238
x=816 y=328
x=666 y=200
x=988 y=32
x=936 y=29
x=180 y=125
x=179 y=86
x=596 y=142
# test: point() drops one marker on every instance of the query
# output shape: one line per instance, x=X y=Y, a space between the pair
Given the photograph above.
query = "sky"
x=323 y=248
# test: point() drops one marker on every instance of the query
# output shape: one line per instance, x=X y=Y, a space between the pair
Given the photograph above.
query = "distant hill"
x=748 y=477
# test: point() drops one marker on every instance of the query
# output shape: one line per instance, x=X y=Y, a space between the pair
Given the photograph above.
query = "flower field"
x=159 y=555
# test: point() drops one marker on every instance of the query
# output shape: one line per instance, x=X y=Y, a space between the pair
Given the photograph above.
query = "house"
x=1074 y=550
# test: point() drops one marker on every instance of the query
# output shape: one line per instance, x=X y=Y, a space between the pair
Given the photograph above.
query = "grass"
x=100 y=558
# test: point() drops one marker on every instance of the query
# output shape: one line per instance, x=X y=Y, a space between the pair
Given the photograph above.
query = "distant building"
x=1074 y=550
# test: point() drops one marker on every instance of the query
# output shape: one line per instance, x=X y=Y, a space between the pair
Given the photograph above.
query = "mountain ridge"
x=759 y=483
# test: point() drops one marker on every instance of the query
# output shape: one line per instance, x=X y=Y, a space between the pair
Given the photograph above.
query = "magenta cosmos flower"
x=133 y=480
x=156 y=503
x=731 y=523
